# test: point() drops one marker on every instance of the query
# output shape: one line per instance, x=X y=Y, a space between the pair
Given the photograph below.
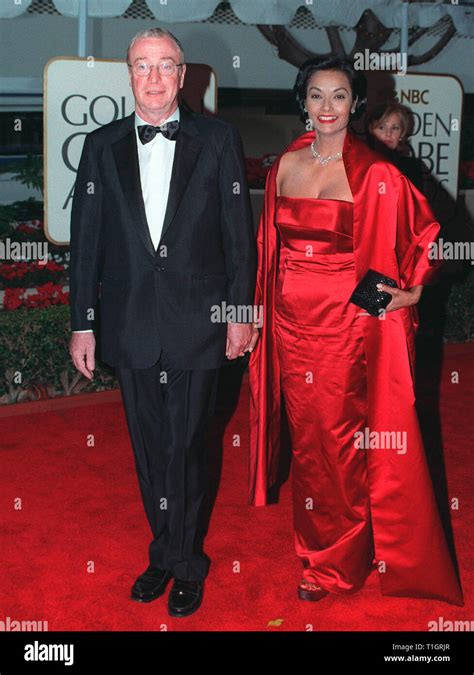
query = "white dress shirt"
x=155 y=160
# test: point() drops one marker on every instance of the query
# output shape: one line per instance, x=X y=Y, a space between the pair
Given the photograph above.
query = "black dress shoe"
x=151 y=584
x=185 y=597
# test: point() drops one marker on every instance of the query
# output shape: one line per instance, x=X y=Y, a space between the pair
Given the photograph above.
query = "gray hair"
x=156 y=33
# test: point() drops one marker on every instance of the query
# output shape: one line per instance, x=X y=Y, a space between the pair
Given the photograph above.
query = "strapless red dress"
x=323 y=380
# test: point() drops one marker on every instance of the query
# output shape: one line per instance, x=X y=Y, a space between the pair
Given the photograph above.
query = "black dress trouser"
x=167 y=410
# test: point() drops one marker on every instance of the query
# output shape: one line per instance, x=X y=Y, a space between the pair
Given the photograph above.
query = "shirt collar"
x=174 y=116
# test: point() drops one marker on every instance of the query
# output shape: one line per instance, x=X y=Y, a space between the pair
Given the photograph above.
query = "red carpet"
x=80 y=507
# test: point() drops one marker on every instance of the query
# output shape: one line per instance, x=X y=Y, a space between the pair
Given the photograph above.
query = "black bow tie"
x=147 y=132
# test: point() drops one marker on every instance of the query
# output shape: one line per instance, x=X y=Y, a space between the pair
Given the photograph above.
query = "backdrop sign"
x=436 y=104
x=79 y=96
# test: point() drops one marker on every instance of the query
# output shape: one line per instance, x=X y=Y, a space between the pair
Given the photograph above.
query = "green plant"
x=34 y=355
x=26 y=209
x=29 y=172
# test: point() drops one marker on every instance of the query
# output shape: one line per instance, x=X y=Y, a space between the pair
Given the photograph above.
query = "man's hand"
x=239 y=338
x=82 y=349
x=401 y=298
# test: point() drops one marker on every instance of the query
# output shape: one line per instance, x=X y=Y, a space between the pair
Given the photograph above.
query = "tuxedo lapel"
x=188 y=148
x=126 y=158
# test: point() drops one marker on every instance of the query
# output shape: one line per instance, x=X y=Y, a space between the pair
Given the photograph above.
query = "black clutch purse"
x=367 y=296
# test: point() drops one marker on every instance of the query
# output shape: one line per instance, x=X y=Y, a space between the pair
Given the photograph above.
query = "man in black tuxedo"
x=161 y=221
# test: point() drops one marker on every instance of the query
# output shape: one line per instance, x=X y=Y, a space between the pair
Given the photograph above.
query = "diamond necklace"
x=324 y=160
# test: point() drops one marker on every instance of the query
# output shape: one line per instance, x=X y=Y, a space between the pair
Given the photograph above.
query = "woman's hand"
x=254 y=340
x=401 y=298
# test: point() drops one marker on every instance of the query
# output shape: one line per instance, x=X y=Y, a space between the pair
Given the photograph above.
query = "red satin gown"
x=323 y=380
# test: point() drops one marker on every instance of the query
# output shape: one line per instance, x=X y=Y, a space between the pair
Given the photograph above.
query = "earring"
x=304 y=109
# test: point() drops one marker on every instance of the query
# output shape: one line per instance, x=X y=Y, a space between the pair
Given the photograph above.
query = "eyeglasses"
x=165 y=68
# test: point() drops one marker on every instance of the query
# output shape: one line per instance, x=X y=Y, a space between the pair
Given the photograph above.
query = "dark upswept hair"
x=357 y=82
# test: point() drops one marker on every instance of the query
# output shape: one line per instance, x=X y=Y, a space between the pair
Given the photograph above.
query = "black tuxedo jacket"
x=149 y=300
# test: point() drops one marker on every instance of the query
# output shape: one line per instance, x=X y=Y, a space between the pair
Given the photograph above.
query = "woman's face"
x=389 y=132
x=329 y=101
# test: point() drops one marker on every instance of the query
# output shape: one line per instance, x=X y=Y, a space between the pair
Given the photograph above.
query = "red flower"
x=46 y=295
x=257 y=169
x=14 y=270
x=12 y=298
x=30 y=226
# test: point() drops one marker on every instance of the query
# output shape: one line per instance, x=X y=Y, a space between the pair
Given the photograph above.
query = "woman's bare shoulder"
x=290 y=159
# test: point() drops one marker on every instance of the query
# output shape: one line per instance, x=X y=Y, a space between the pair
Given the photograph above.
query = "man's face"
x=155 y=95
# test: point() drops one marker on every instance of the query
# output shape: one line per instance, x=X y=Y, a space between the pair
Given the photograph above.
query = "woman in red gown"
x=362 y=495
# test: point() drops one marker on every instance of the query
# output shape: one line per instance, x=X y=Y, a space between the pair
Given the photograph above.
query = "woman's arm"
x=417 y=230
